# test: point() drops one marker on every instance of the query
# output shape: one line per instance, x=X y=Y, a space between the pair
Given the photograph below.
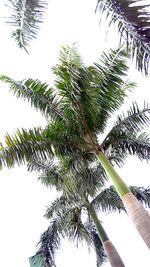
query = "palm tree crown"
x=78 y=108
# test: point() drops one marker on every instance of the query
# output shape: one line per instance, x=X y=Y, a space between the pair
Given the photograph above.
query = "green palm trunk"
x=111 y=252
x=135 y=210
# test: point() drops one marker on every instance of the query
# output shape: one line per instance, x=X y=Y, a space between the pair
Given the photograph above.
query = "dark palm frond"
x=27 y=15
x=112 y=86
x=47 y=246
x=126 y=128
x=51 y=175
x=39 y=94
x=97 y=244
x=126 y=144
x=109 y=201
x=134 y=121
x=142 y=194
x=23 y=146
x=41 y=165
x=57 y=207
x=100 y=254
x=75 y=229
x=132 y=20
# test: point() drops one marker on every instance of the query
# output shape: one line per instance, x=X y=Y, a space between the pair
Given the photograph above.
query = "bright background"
x=22 y=198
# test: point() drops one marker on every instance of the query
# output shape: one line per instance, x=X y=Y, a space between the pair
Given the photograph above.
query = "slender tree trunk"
x=135 y=210
x=111 y=252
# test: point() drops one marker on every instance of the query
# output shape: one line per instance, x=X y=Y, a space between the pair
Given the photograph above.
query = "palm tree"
x=77 y=109
x=26 y=19
x=132 y=20
x=66 y=212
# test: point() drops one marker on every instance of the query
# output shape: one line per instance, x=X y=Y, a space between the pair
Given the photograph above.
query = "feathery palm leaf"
x=132 y=20
x=38 y=94
x=26 y=17
x=125 y=144
x=47 y=246
x=108 y=200
x=100 y=254
x=23 y=146
x=124 y=137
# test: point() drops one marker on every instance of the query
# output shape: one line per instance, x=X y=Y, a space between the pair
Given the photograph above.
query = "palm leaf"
x=39 y=94
x=100 y=254
x=112 y=86
x=109 y=201
x=23 y=146
x=47 y=246
x=132 y=20
x=135 y=120
x=123 y=138
x=26 y=17
x=101 y=257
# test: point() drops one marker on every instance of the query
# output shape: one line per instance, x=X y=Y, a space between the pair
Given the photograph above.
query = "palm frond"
x=133 y=145
x=57 y=207
x=134 y=121
x=101 y=257
x=50 y=172
x=27 y=15
x=75 y=230
x=109 y=201
x=23 y=146
x=142 y=194
x=124 y=139
x=38 y=94
x=100 y=254
x=132 y=20
x=112 y=86
x=47 y=246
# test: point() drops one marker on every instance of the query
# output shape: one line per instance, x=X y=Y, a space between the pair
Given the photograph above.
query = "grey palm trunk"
x=110 y=250
x=139 y=216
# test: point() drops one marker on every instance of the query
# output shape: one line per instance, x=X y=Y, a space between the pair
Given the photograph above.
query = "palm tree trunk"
x=135 y=210
x=111 y=252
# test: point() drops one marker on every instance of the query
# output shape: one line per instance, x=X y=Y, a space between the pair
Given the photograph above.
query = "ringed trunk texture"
x=112 y=254
x=139 y=216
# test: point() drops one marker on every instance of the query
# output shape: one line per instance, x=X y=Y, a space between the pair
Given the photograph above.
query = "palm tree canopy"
x=132 y=20
x=78 y=108
x=26 y=17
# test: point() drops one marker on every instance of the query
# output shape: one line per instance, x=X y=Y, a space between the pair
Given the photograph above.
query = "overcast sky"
x=22 y=198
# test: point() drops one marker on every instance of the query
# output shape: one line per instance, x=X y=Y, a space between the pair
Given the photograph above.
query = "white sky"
x=22 y=198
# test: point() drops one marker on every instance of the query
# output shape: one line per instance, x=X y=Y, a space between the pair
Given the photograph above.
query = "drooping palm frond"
x=23 y=146
x=108 y=199
x=136 y=119
x=132 y=20
x=126 y=144
x=97 y=244
x=47 y=246
x=124 y=138
x=142 y=194
x=38 y=94
x=27 y=15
